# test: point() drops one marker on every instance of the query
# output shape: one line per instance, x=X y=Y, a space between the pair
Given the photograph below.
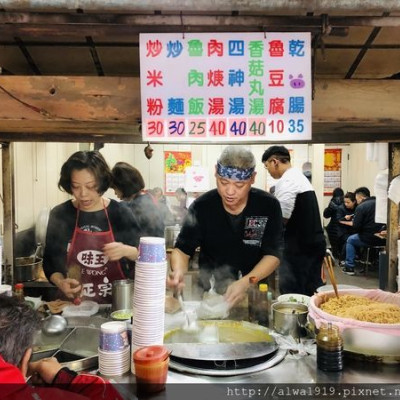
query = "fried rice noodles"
x=362 y=309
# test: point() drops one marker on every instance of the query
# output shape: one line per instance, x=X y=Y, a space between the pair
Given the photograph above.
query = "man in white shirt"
x=304 y=249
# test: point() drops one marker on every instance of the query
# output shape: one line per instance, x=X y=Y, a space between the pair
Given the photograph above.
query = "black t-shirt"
x=62 y=224
x=228 y=249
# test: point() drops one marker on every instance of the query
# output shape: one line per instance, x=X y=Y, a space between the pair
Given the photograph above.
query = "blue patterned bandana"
x=236 y=174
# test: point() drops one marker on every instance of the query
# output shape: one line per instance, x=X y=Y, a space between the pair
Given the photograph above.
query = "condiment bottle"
x=19 y=292
x=252 y=298
x=262 y=305
x=329 y=348
x=151 y=368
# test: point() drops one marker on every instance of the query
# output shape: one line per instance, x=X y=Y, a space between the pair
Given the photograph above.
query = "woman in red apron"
x=82 y=256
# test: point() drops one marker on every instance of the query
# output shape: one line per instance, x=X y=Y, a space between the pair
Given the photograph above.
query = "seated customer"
x=18 y=325
x=332 y=227
x=365 y=226
x=345 y=215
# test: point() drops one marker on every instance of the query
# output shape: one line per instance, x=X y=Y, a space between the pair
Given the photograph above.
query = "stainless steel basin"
x=76 y=348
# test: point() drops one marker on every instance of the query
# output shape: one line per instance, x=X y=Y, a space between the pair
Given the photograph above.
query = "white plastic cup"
x=152 y=250
x=113 y=336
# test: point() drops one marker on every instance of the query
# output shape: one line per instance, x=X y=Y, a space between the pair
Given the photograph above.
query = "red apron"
x=97 y=272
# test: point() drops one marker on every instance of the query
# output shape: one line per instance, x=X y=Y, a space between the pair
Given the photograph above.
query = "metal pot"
x=27 y=268
x=122 y=294
x=290 y=318
x=170 y=234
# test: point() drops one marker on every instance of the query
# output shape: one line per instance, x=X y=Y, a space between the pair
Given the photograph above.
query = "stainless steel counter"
x=289 y=371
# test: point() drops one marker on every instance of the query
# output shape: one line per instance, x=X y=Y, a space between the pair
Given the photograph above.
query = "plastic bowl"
x=295 y=298
x=121 y=315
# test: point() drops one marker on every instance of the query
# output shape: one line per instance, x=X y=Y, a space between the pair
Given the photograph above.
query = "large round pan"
x=221 y=340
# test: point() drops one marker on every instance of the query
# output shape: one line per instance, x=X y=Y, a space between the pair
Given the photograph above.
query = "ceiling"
x=361 y=40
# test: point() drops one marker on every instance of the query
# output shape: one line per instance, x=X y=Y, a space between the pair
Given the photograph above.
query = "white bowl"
x=295 y=298
x=329 y=288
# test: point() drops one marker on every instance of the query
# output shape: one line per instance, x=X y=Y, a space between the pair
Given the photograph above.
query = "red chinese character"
x=154 y=78
x=276 y=48
x=216 y=106
x=276 y=77
x=215 y=78
x=276 y=106
x=215 y=47
x=153 y=48
x=154 y=106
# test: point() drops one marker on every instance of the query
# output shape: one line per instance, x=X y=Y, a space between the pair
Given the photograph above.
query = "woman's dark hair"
x=18 y=324
x=90 y=160
x=351 y=196
x=127 y=179
x=337 y=192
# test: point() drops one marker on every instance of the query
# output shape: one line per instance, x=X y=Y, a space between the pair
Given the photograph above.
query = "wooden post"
x=393 y=220
x=9 y=212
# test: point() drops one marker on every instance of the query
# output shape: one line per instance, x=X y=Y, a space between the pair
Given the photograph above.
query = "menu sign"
x=225 y=87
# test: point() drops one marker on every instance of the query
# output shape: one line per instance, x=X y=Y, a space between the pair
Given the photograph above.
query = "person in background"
x=91 y=240
x=180 y=210
x=365 y=227
x=345 y=213
x=128 y=185
x=18 y=326
x=304 y=250
x=332 y=227
x=161 y=201
x=238 y=229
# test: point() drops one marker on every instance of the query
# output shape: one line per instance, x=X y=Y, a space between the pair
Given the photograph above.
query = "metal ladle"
x=53 y=324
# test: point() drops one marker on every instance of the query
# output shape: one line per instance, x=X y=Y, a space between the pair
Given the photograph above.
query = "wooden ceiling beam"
x=39 y=25
x=107 y=109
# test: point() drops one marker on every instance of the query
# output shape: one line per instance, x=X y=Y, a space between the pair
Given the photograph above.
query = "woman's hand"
x=117 y=250
x=44 y=370
x=69 y=286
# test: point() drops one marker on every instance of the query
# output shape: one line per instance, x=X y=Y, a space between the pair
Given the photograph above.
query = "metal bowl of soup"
x=290 y=318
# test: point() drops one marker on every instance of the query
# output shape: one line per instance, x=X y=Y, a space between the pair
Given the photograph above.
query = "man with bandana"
x=238 y=229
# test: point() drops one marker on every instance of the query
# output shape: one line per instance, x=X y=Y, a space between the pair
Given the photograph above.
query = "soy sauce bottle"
x=252 y=298
x=262 y=307
x=329 y=348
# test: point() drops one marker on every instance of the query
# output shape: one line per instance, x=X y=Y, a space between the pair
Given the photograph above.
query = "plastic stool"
x=367 y=262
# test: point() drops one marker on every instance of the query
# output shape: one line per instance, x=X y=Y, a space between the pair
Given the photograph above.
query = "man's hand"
x=175 y=280
x=236 y=292
x=44 y=370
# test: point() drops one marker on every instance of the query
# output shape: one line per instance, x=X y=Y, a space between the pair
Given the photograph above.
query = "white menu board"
x=226 y=87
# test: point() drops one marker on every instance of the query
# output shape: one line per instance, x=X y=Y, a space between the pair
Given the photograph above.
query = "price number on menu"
x=217 y=127
x=155 y=128
x=197 y=128
x=257 y=127
x=176 y=128
x=238 y=127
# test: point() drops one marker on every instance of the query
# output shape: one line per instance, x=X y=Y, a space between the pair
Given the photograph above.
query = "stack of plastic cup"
x=114 y=349
x=152 y=250
x=149 y=294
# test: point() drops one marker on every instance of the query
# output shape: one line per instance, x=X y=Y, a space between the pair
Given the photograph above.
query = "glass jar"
x=19 y=292
x=329 y=348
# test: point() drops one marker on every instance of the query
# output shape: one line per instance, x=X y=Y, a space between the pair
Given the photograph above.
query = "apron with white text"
x=97 y=272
